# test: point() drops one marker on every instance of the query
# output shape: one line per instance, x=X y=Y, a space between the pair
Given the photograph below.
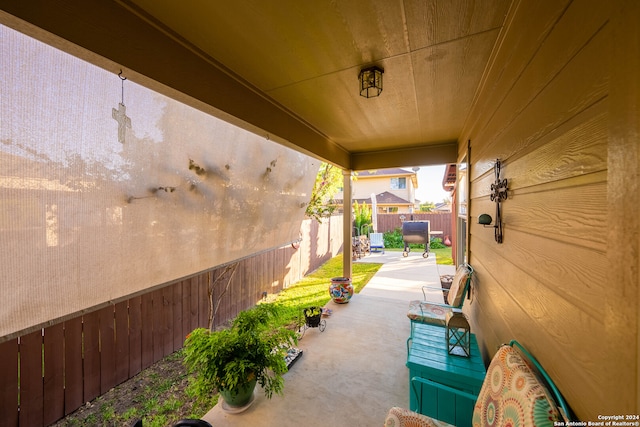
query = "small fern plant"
x=252 y=348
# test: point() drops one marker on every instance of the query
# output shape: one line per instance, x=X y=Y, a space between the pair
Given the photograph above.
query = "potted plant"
x=231 y=361
x=312 y=316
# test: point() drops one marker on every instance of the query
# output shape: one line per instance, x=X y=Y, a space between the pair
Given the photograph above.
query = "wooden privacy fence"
x=438 y=221
x=49 y=373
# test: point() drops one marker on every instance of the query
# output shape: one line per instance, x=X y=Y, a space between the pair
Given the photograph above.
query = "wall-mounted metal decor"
x=499 y=193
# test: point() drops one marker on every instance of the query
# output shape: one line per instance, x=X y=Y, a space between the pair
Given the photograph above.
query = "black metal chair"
x=181 y=423
x=192 y=423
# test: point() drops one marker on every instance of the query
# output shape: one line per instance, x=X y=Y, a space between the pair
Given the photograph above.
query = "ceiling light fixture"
x=371 y=82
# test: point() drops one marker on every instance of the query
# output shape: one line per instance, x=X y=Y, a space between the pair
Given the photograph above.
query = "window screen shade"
x=90 y=212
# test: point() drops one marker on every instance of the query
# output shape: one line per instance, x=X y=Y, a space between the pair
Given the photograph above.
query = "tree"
x=328 y=183
x=362 y=216
x=427 y=207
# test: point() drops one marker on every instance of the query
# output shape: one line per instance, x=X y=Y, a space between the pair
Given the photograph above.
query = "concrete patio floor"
x=354 y=371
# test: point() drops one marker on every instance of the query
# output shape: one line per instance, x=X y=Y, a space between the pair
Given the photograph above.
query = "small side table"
x=428 y=359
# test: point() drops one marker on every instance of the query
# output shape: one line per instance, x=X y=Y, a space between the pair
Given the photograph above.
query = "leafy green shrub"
x=254 y=347
x=436 y=243
x=362 y=217
x=393 y=239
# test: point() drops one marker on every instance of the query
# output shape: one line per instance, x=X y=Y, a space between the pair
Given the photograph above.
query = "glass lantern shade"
x=458 y=334
x=370 y=82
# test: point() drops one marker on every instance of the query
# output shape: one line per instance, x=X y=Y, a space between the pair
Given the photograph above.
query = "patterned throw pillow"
x=454 y=298
x=512 y=395
x=424 y=312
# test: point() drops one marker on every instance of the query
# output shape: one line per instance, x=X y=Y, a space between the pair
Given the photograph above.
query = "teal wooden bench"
x=433 y=313
x=430 y=365
x=516 y=391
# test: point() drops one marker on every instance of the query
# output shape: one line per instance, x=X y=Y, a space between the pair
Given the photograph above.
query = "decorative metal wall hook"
x=122 y=93
x=499 y=193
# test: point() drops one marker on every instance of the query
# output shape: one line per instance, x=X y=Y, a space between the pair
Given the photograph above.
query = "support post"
x=347 y=223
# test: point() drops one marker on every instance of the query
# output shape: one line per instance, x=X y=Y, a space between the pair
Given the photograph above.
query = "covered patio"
x=542 y=94
x=354 y=371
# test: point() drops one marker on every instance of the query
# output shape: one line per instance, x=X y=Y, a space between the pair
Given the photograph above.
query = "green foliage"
x=313 y=289
x=156 y=421
x=131 y=414
x=107 y=412
x=158 y=398
x=312 y=311
x=393 y=239
x=150 y=405
x=436 y=243
x=328 y=182
x=254 y=347
x=171 y=405
x=362 y=217
x=427 y=207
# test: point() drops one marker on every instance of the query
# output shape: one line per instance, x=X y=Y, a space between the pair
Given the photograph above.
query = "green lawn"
x=443 y=256
x=313 y=289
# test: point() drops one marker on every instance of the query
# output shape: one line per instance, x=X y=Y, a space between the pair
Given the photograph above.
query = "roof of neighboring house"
x=443 y=207
x=384 y=172
x=449 y=178
x=385 y=198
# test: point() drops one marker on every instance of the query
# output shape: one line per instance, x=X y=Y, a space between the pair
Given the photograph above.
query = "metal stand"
x=310 y=322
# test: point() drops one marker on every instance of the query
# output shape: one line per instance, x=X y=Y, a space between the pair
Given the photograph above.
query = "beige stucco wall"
x=363 y=187
x=559 y=107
